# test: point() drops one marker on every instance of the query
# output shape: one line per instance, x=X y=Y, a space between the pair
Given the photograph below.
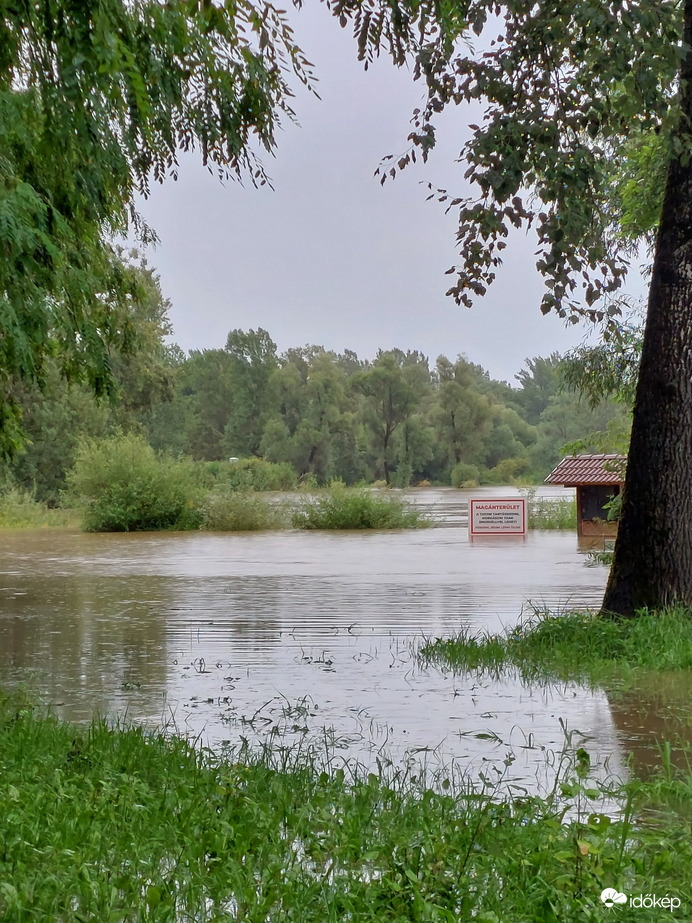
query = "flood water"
x=306 y=637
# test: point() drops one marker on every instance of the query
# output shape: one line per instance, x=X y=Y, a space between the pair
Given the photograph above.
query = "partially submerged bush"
x=464 y=475
x=258 y=474
x=123 y=485
x=240 y=511
x=350 y=508
x=508 y=471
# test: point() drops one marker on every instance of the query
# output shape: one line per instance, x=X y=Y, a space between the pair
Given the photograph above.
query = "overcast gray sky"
x=331 y=257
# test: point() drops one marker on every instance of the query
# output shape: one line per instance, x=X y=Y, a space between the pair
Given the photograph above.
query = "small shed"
x=597 y=478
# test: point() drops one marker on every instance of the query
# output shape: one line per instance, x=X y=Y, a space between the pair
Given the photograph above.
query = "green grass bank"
x=577 y=646
x=115 y=824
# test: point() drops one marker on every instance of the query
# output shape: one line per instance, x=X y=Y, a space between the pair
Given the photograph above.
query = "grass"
x=550 y=513
x=20 y=510
x=228 y=510
x=574 y=646
x=118 y=824
x=221 y=509
x=347 y=508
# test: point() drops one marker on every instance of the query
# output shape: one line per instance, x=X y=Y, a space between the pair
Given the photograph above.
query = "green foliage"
x=320 y=417
x=608 y=370
x=19 y=509
x=393 y=387
x=95 y=101
x=135 y=825
x=122 y=485
x=347 y=508
x=639 y=185
x=252 y=359
x=53 y=420
x=464 y=475
x=549 y=512
x=568 y=92
x=575 y=646
x=240 y=511
x=58 y=413
x=257 y=474
x=539 y=381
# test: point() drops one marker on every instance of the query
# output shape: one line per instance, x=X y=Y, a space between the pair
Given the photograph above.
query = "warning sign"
x=497 y=517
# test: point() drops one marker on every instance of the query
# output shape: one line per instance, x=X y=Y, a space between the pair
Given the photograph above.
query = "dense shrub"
x=123 y=485
x=464 y=475
x=252 y=474
x=508 y=471
x=348 y=508
x=227 y=510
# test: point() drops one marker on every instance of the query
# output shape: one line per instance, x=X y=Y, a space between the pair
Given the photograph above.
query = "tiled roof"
x=588 y=469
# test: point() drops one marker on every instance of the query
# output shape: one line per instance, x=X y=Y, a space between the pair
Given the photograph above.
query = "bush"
x=240 y=511
x=508 y=471
x=348 y=508
x=463 y=475
x=403 y=476
x=122 y=485
x=259 y=474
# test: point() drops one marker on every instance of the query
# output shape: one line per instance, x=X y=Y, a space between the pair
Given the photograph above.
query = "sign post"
x=497 y=517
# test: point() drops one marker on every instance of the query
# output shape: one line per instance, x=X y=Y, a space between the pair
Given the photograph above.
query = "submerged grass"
x=576 y=645
x=117 y=824
x=227 y=510
x=352 y=508
x=20 y=510
x=550 y=512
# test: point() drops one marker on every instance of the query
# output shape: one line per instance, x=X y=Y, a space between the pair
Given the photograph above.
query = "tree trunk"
x=385 y=451
x=652 y=565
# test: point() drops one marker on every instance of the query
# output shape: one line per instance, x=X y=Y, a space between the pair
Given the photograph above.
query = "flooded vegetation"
x=341 y=767
x=279 y=636
x=137 y=826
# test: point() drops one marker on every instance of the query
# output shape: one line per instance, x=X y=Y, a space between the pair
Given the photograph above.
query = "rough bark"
x=652 y=565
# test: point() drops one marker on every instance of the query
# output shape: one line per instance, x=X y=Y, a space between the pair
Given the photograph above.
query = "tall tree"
x=571 y=89
x=462 y=414
x=539 y=381
x=205 y=381
x=313 y=427
x=253 y=360
x=393 y=387
x=56 y=417
x=96 y=100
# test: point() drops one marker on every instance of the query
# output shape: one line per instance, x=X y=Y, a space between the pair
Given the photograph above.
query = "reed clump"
x=227 y=510
x=341 y=507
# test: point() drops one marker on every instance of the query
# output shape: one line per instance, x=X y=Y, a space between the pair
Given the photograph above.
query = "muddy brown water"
x=307 y=639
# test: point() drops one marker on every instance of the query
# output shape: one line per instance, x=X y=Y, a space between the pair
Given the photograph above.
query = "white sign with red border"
x=497 y=516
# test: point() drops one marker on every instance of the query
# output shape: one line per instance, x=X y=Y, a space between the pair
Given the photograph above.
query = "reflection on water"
x=291 y=636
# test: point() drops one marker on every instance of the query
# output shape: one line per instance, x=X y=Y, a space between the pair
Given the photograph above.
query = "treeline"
x=395 y=418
